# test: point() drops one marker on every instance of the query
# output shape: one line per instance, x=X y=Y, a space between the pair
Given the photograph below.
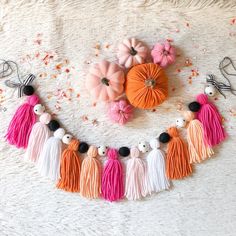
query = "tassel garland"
x=19 y=129
x=38 y=136
x=156 y=168
x=112 y=178
x=136 y=185
x=198 y=149
x=49 y=159
x=90 y=179
x=211 y=120
x=70 y=168
x=177 y=161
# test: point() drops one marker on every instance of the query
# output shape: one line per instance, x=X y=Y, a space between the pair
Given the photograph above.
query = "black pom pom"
x=53 y=125
x=124 y=151
x=164 y=137
x=194 y=106
x=83 y=147
x=28 y=90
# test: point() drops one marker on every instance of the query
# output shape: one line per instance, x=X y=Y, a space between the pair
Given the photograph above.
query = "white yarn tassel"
x=38 y=136
x=156 y=168
x=136 y=185
x=49 y=160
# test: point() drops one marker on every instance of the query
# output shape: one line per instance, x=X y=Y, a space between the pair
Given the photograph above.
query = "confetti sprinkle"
x=232 y=21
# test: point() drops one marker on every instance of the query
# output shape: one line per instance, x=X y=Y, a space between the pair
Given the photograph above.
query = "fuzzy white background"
x=203 y=31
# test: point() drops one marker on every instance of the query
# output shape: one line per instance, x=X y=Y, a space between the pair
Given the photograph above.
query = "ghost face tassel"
x=177 y=161
x=112 y=178
x=49 y=159
x=211 y=120
x=198 y=149
x=136 y=185
x=156 y=168
x=70 y=168
x=90 y=179
x=22 y=122
x=38 y=136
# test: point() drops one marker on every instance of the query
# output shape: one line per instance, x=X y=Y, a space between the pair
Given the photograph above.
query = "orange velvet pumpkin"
x=146 y=86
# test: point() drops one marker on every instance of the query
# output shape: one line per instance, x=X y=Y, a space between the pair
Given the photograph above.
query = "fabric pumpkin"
x=163 y=54
x=105 y=81
x=131 y=52
x=146 y=86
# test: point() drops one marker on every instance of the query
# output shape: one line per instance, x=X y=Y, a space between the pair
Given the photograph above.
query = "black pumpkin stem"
x=133 y=52
x=105 y=81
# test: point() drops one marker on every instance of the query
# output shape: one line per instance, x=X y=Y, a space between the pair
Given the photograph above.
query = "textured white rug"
x=56 y=40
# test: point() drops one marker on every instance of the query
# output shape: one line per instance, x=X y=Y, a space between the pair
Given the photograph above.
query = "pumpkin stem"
x=133 y=52
x=105 y=81
x=150 y=83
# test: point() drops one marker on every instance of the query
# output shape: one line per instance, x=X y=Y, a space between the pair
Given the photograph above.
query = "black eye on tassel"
x=28 y=90
x=194 y=106
x=83 y=147
x=164 y=137
x=124 y=151
x=53 y=125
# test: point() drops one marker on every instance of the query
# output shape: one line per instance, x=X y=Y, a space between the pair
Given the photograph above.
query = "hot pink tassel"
x=211 y=120
x=38 y=136
x=21 y=124
x=112 y=177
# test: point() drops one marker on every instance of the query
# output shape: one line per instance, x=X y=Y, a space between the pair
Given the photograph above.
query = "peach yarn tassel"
x=70 y=168
x=90 y=178
x=198 y=149
x=177 y=161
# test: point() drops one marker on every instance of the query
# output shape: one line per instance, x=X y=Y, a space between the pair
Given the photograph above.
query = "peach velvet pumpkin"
x=131 y=52
x=146 y=86
x=105 y=81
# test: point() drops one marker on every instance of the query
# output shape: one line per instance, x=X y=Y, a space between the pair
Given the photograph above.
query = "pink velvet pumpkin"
x=163 y=54
x=105 y=81
x=131 y=52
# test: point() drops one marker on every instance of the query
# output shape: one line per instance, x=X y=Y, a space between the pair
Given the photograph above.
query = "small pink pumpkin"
x=105 y=81
x=120 y=111
x=163 y=54
x=131 y=52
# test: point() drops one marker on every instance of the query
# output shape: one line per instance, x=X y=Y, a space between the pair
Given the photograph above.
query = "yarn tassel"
x=198 y=149
x=157 y=168
x=49 y=160
x=112 y=178
x=177 y=161
x=22 y=122
x=90 y=179
x=211 y=120
x=70 y=168
x=38 y=136
x=136 y=185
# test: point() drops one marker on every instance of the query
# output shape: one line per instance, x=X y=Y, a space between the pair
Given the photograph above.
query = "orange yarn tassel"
x=198 y=150
x=70 y=168
x=177 y=160
x=90 y=179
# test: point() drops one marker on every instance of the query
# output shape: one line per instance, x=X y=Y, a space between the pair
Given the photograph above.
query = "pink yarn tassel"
x=112 y=178
x=21 y=124
x=136 y=185
x=38 y=136
x=211 y=120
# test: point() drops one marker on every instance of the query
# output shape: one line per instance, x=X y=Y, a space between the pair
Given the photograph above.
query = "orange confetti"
x=84 y=118
x=233 y=21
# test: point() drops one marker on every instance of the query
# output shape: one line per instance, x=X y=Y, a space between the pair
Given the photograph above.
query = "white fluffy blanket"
x=56 y=39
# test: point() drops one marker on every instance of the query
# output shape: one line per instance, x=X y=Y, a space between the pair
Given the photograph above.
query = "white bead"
x=102 y=150
x=59 y=133
x=210 y=90
x=39 y=109
x=154 y=143
x=143 y=146
x=180 y=122
x=67 y=138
